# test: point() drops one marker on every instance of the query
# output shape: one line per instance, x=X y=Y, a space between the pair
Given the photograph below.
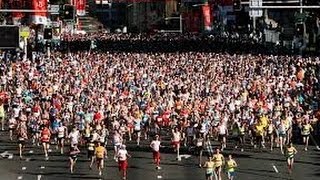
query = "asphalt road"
x=253 y=165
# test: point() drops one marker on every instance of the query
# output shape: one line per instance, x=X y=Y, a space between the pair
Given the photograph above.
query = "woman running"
x=306 y=129
x=122 y=161
x=45 y=139
x=22 y=137
x=231 y=164
x=291 y=152
x=209 y=165
x=61 y=134
x=73 y=156
x=218 y=162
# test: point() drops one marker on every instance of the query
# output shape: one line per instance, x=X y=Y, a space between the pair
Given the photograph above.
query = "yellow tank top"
x=306 y=129
x=218 y=158
x=230 y=165
x=100 y=152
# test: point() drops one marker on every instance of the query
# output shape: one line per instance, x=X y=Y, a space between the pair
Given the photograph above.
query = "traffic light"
x=300 y=29
x=237 y=5
x=68 y=12
x=47 y=33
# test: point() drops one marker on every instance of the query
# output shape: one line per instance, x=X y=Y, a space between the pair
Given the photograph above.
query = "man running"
x=176 y=139
x=73 y=156
x=100 y=153
x=122 y=161
x=155 y=145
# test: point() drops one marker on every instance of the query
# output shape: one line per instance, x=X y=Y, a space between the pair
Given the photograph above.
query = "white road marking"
x=39 y=177
x=20 y=177
x=186 y=156
x=4 y=153
x=275 y=168
x=30 y=151
x=10 y=156
x=159 y=177
x=42 y=167
x=24 y=168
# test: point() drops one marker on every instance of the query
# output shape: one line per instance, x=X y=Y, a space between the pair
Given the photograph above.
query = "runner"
x=12 y=126
x=155 y=145
x=100 y=153
x=199 y=147
x=223 y=133
x=74 y=136
x=176 y=139
x=2 y=114
x=122 y=161
x=291 y=152
x=22 y=137
x=117 y=142
x=73 y=156
x=45 y=139
x=137 y=127
x=306 y=129
x=62 y=132
x=91 y=152
x=218 y=160
x=230 y=167
x=209 y=165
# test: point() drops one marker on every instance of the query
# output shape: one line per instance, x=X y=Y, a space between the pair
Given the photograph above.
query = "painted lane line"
x=42 y=167
x=275 y=169
x=24 y=168
x=19 y=177
x=39 y=177
x=159 y=177
x=30 y=152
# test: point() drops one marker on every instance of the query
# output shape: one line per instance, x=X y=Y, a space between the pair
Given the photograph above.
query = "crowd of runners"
x=94 y=100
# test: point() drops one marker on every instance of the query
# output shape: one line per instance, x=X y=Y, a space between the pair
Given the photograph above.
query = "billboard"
x=81 y=7
x=9 y=37
x=17 y=16
x=206 y=17
x=39 y=17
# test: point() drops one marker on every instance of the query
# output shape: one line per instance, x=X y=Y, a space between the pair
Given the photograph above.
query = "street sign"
x=255 y=12
x=25 y=32
x=55 y=9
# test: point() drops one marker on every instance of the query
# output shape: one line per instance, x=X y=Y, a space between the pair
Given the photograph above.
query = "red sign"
x=39 y=17
x=206 y=16
x=17 y=16
x=81 y=7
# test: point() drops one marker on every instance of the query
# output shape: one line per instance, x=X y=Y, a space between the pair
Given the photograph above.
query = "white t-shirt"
x=74 y=136
x=122 y=154
x=155 y=144
x=176 y=136
x=61 y=131
x=222 y=130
